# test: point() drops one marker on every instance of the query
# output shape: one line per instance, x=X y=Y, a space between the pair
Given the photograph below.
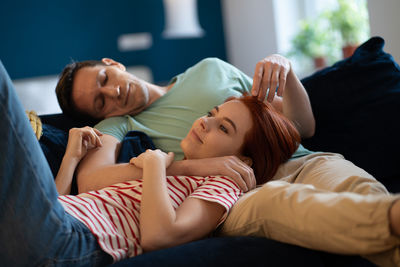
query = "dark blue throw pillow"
x=356 y=103
x=53 y=142
x=133 y=144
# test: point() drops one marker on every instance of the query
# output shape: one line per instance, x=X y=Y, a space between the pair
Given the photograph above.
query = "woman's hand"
x=152 y=155
x=80 y=140
x=270 y=73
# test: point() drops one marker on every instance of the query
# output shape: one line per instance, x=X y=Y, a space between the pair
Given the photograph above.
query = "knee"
x=265 y=201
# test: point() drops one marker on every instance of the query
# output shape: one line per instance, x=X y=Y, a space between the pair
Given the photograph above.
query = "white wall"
x=249 y=31
x=385 y=22
x=252 y=28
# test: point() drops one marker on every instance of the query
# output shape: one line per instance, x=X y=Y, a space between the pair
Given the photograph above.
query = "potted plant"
x=350 y=19
x=313 y=41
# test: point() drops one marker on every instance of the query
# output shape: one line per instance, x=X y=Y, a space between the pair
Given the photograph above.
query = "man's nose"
x=112 y=91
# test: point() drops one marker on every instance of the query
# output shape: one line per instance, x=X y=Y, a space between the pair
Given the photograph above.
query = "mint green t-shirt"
x=195 y=92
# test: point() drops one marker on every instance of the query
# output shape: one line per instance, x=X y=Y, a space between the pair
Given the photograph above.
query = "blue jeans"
x=35 y=230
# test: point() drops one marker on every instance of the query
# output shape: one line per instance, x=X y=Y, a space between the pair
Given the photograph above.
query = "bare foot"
x=394 y=218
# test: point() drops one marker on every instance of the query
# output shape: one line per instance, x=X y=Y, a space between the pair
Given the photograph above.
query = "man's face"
x=104 y=91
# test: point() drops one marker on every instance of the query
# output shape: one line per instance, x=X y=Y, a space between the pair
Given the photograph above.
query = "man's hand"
x=234 y=168
x=270 y=73
x=230 y=166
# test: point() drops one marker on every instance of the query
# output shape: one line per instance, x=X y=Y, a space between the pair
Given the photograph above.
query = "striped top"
x=112 y=213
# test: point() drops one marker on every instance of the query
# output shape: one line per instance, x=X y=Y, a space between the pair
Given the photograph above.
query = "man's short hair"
x=64 y=90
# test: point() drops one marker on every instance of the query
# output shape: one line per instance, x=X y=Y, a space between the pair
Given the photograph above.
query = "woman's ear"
x=111 y=62
x=246 y=160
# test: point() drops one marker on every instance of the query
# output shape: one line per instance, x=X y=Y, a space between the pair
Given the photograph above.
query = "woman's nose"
x=204 y=124
x=112 y=91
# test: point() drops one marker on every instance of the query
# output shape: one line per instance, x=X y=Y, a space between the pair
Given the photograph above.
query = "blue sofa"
x=356 y=102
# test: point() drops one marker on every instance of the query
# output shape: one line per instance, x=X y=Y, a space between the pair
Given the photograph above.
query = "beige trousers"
x=323 y=202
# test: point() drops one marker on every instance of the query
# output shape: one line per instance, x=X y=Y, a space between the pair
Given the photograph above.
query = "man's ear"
x=111 y=62
x=246 y=160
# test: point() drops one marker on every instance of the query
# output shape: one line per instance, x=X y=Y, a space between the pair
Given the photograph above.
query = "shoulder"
x=115 y=126
x=213 y=62
x=216 y=66
x=112 y=121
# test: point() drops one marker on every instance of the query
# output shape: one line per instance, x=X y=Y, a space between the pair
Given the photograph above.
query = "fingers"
x=241 y=173
x=132 y=160
x=272 y=82
x=270 y=77
x=265 y=80
x=258 y=74
x=85 y=143
x=151 y=157
x=170 y=159
x=238 y=179
x=97 y=132
x=247 y=174
x=93 y=135
x=282 y=85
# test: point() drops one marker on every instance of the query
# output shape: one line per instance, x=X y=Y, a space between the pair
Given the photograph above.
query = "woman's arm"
x=291 y=98
x=160 y=224
x=193 y=220
x=65 y=174
x=80 y=140
x=98 y=169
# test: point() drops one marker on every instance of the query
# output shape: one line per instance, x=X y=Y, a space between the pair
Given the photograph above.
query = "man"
x=105 y=90
x=288 y=210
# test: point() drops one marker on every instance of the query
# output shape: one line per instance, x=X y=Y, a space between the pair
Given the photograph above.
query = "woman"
x=93 y=228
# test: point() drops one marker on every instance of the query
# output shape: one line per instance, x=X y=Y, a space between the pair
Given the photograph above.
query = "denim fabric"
x=35 y=229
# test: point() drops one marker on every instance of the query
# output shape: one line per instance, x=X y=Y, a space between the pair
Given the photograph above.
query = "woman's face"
x=220 y=133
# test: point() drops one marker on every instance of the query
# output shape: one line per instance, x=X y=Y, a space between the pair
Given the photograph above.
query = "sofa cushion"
x=228 y=251
x=355 y=103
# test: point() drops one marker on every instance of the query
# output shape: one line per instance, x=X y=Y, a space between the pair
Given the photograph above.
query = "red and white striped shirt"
x=112 y=213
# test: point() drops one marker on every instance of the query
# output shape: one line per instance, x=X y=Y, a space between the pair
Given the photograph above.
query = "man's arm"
x=296 y=106
x=291 y=98
x=230 y=166
x=98 y=168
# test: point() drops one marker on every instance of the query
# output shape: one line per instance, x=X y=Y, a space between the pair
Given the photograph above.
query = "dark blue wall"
x=41 y=37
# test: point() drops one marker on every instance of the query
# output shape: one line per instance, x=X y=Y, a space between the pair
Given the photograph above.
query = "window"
x=290 y=13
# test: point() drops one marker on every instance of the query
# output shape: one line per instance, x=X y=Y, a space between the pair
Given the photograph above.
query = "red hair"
x=271 y=141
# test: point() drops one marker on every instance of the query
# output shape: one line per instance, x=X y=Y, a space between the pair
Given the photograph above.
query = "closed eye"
x=223 y=128
x=105 y=80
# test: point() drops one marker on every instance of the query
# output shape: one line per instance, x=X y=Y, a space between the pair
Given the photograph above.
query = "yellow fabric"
x=36 y=123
